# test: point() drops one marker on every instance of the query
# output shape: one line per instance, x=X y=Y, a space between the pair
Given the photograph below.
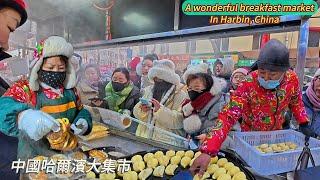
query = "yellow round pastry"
x=214 y=160
x=239 y=176
x=263 y=146
x=180 y=153
x=158 y=154
x=221 y=162
x=136 y=158
x=234 y=170
x=205 y=175
x=189 y=153
x=228 y=166
x=138 y=166
x=273 y=146
x=224 y=177
x=91 y=175
x=185 y=161
x=152 y=163
x=285 y=148
x=212 y=168
x=109 y=176
x=281 y=144
x=175 y=160
x=268 y=150
x=276 y=149
x=170 y=153
x=170 y=169
x=164 y=161
x=147 y=157
x=145 y=173
x=130 y=175
x=219 y=172
x=159 y=171
x=293 y=146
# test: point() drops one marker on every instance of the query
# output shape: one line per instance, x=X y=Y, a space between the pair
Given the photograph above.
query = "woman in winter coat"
x=33 y=106
x=311 y=101
x=206 y=101
x=121 y=94
x=165 y=98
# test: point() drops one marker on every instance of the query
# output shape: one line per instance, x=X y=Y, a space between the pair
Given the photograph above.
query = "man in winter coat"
x=165 y=98
x=261 y=101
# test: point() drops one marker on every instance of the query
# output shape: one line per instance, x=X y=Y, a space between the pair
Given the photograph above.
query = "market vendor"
x=260 y=100
x=32 y=107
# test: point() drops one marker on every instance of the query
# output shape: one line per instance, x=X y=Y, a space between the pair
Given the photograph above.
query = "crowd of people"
x=199 y=105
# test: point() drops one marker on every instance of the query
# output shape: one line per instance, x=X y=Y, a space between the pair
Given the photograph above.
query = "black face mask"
x=160 y=88
x=194 y=94
x=117 y=87
x=53 y=79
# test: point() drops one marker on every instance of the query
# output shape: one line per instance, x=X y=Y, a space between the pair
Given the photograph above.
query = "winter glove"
x=80 y=127
x=307 y=130
x=37 y=124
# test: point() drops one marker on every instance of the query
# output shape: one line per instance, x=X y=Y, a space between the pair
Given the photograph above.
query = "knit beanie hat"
x=274 y=56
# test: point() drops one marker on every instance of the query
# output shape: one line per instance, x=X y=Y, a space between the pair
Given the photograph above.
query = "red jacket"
x=258 y=108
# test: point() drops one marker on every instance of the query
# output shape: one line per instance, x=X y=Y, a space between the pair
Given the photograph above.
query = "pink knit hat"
x=239 y=70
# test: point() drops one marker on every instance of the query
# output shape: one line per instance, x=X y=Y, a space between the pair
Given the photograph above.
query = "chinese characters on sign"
x=68 y=166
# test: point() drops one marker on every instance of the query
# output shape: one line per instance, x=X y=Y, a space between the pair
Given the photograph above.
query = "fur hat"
x=54 y=46
x=165 y=70
x=193 y=69
x=274 y=56
x=192 y=124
